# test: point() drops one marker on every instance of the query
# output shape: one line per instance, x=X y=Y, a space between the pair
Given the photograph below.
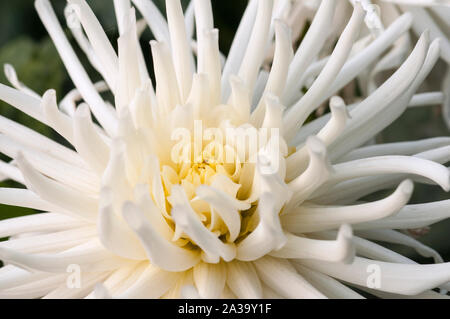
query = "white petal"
x=317 y=172
x=60 y=122
x=167 y=91
x=51 y=242
x=389 y=101
x=187 y=220
x=364 y=58
x=238 y=47
x=99 y=41
x=32 y=139
x=90 y=257
x=68 y=174
x=339 y=250
x=392 y=165
x=298 y=113
x=298 y=161
x=243 y=280
x=397 y=148
x=405 y=279
x=154 y=18
x=227 y=207
x=114 y=233
x=160 y=251
x=88 y=142
x=76 y=71
x=210 y=279
x=268 y=234
x=315 y=218
x=255 y=52
x=310 y=46
x=152 y=283
x=412 y=216
x=45 y=222
x=282 y=277
x=87 y=283
x=180 y=48
x=328 y=286
x=395 y=237
x=60 y=195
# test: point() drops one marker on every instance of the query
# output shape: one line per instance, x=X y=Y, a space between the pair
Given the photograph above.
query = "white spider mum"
x=271 y=221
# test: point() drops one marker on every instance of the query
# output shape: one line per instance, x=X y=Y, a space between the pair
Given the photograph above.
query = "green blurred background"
x=24 y=43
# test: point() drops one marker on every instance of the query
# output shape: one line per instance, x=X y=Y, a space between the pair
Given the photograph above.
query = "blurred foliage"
x=24 y=43
x=36 y=63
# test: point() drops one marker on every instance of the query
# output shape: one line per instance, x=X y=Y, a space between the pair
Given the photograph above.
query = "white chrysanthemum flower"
x=271 y=221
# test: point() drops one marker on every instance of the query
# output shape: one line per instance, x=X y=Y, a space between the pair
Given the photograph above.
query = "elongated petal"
x=58 y=194
x=56 y=119
x=160 y=251
x=238 y=47
x=398 y=148
x=315 y=218
x=243 y=280
x=392 y=164
x=45 y=222
x=88 y=142
x=92 y=257
x=51 y=242
x=282 y=277
x=317 y=172
x=412 y=216
x=115 y=235
x=227 y=207
x=309 y=48
x=396 y=278
x=300 y=111
x=339 y=250
x=328 y=134
x=76 y=71
x=327 y=285
x=395 y=237
x=180 y=47
x=254 y=54
x=99 y=41
x=187 y=220
x=210 y=279
x=268 y=234
x=152 y=283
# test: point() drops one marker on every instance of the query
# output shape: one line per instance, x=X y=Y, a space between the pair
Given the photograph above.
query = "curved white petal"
x=282 y=277
x=243 y=280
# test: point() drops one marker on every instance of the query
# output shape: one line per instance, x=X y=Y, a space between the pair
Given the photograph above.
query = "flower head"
x=213 y=180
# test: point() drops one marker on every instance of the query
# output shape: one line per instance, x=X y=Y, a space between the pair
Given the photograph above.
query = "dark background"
x=25 y=44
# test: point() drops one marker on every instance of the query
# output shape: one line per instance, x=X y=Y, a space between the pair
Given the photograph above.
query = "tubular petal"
x=187 y=220
x=76 y=71
x=405 y=279
x=392 y=164
x=56 y=119
x=339 y=250
x=243 y=280
x=298 y=113
x=309 y=48
x=160 y=251
x=282 y=277
x=88 y=142
x=180 y=47
x=92 y=258
x=210 y=279
x=330 y=287
x=44 y=222
x=60 y=195
x=152 y=283
x=315 y=218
